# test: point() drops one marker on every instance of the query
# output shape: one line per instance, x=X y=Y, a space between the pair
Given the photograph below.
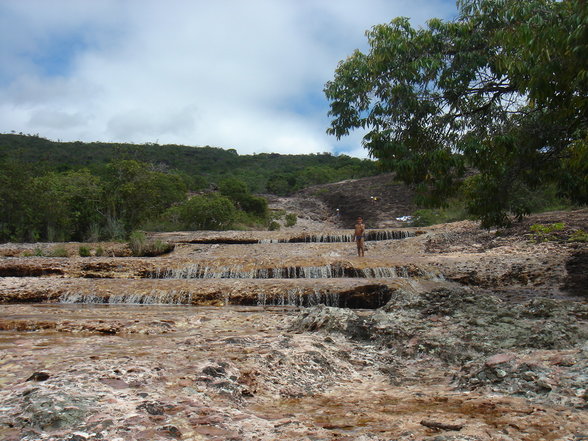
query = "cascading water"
x=297 y=297
x=332 y=238
x=171 y=297
x=336 y=270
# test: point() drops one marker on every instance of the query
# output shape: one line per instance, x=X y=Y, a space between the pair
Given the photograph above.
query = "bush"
x=59 y=251
x=157 y=248
x=38 y=252
x=84 y=251
x=253 y=204
x=208 y=212
x=291 y=219
x=137 y=240
x=274 y=226
x=142 y=247
x=99 y=252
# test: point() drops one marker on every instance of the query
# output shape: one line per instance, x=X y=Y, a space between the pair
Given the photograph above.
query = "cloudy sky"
x=242 y=74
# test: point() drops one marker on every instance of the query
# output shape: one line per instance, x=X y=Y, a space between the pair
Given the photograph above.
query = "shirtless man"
x=359 y=236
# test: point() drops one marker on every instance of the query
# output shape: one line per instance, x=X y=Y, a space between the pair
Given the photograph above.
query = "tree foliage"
x=204 y=212
x=501 y=91
x=199 y=167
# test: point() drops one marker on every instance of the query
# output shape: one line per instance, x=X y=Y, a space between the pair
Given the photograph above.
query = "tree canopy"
x=494 y=101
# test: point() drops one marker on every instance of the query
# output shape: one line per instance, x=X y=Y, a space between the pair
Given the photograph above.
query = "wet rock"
x=38 y=376
x=455 y=324
x=52 y=409
x=536 y=374
x=330 y=319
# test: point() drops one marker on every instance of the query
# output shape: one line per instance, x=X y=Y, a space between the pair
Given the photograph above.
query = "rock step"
x=265 y=237
x=353 y=293
x=334 y=270
x=226 y=268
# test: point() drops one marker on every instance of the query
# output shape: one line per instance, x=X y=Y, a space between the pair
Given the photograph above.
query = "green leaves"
x=501 y=89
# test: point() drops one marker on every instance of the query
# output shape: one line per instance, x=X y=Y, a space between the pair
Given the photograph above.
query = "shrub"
x=59 y=251
x=99 y=252
x=142 y=247
x=291 y=219
x=253 y=204
x=209 y=212
x=84 y=251
x=137 y=240
x=274 y=226
x=38 y=252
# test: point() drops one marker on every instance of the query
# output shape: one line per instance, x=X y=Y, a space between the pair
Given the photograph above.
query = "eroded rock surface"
x=252 y=336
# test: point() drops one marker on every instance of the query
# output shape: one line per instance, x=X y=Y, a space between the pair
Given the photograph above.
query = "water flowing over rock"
x=335 y=270
x=290 y=336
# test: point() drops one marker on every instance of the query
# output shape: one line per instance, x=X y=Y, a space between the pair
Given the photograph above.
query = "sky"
x=241 y=74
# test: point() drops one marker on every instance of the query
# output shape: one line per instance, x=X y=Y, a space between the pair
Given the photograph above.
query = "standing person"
x=359 y=236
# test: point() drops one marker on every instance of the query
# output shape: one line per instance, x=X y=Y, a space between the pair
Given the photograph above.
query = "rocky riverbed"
x=441 y=333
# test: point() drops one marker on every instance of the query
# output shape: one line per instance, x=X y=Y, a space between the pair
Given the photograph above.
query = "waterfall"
x=198 y=271
x=369 y=296
x=154 y=297
x=336 y=270
x=329 y=238
x=297 y=297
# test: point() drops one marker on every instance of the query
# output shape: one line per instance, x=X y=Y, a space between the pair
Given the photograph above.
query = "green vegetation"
x=54 y=191
x=544 y=233
x=494 y=102
x=291 y=219
x=58 y=251
x=142 y=247
x=197 y=167
x=556 y=232
x=431 y=216
x=84 y=251
x=578 y=236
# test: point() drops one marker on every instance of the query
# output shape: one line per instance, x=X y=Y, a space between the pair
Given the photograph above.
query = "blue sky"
x=242 y=74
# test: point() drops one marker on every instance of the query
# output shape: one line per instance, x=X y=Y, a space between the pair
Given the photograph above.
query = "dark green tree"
x=68 y=205
x=135 y=194
x=204 y=212
x=17 y=211
x=501 y=91
x=238 y=192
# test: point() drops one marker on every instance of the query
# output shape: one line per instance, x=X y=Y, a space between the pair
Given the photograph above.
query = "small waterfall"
x=171 y=297
x=198 y=271
x=371 y=235
x=369 y=296
x=297 y=297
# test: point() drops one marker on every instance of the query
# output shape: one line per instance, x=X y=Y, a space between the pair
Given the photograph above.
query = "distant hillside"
x=263 y=173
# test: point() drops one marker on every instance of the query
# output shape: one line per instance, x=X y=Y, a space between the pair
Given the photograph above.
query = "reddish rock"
x=499 y=359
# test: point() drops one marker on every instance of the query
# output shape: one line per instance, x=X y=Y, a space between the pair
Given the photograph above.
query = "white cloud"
x=244 y=74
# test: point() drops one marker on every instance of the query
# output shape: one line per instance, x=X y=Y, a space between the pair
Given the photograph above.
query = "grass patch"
x=140 y=246
x=425 y=217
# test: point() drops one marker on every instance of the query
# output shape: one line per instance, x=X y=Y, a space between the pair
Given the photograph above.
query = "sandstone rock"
x=330 y=319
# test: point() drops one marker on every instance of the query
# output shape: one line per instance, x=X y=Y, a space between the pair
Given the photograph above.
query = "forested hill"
x=201 y=166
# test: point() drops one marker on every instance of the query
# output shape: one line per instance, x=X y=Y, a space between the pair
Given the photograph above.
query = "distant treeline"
x=54 y=191
x=200 y=167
